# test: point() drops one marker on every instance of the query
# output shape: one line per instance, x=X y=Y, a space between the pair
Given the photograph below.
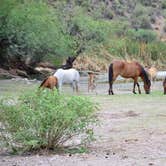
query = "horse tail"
x=43 y=82
x=110 y=75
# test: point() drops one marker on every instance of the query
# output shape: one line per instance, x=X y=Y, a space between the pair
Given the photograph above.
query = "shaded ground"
x=132 y=129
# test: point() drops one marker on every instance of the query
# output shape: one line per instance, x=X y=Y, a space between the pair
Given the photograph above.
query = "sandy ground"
x=132 y=132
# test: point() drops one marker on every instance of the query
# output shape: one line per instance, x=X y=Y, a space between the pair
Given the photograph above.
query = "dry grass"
x=94 y=63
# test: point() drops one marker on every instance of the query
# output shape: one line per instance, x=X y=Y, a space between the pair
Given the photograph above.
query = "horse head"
x=146 y=80
x=147 y=86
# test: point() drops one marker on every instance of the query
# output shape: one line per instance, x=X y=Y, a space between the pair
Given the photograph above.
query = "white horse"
x=69 y=76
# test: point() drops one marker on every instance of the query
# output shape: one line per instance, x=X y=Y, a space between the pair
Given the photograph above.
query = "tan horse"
x=164 y=85
x=152 y=72
x=91 y=81
x=128 y=70
x=50 y=82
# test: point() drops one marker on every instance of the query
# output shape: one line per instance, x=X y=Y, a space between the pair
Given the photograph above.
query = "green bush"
x=117 y=47
x=146 y=2
x=139 y=10
x=45 y=120
x=89 y=28
x=157 y=51
x=163 y=4
x=142 y=35
x=34 y=31
x=89 y=32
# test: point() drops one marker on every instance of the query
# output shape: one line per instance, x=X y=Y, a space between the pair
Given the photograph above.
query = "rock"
x=44 y=69
x=5 y=74
x=46 y=65
x=22 y=73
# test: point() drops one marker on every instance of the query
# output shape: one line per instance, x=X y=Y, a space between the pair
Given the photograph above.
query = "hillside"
x=96 y=31
x=138 y=14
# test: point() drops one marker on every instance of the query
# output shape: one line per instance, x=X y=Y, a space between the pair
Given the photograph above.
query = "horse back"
x=67 y=76
x=127 y=69
x=50 y=82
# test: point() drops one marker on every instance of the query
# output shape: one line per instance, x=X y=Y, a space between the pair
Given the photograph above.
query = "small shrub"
x=153 y=19
x=163 y=4
x=139 y=10
x=142 y=35
x=108 y=14
x=145 y=23
x=157 y=51
x=45 y=120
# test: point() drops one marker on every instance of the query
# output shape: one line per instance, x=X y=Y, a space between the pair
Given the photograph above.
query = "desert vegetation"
x=44 y=120
x=46 y=30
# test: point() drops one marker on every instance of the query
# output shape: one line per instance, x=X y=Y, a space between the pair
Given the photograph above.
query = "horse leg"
x=110 y=91
x=89 y=86
x=76 y=86
x=73 y=85
x=135 y=82
x=111 y=84
x=59 y=87
x=139 y=90
x=134 y=88
x=94 y=87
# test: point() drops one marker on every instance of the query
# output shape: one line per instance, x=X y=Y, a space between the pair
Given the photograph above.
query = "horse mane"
x=145 y=75
x=69 y=62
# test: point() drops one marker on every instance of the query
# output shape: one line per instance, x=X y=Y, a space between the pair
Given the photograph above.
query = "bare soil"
x=132 y=132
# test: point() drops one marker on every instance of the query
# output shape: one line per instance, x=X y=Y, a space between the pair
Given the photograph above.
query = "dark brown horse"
x=164 y=85
x=69 y=63
x=50 y=82
x=128 y=70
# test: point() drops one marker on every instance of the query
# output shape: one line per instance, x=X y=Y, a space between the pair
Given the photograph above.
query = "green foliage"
x=142 y=22
x=34 y=31
x=118 y=27
x=45 y=120
x=117 y=47
x=142 y=35
x=163 y=4
x=5 y=7
x=50 y=30
x=137 y=45
x=89 y=31
x=157 y=51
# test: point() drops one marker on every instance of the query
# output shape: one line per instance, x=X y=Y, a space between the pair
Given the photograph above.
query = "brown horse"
x=128 y=70
x=50 y=82
x=164 y=85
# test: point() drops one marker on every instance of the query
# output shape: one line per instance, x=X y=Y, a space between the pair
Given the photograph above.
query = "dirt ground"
x=132 y=132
